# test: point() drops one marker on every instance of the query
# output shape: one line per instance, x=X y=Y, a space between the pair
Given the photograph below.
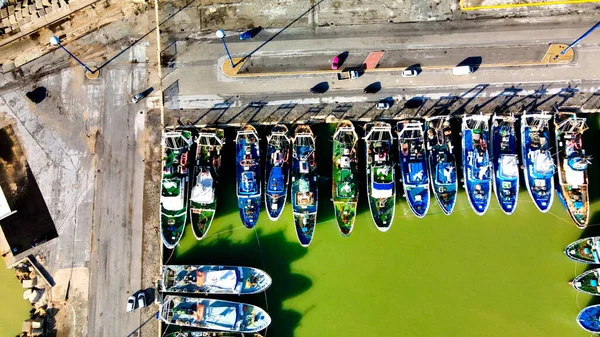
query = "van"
x=462 y=70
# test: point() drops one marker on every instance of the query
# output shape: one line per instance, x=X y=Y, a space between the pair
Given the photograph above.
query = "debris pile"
x=36 y=293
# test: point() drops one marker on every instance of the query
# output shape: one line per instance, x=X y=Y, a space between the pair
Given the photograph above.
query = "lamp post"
x=55 y=41
x=578 y=40
x=221 y=35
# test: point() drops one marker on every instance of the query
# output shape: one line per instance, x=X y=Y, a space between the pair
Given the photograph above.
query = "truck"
x=348 y=74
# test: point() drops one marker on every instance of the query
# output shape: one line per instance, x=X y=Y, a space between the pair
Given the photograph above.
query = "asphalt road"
x=117 y=232
x=198 y=83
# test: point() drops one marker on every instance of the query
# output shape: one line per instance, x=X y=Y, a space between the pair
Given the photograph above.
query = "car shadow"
x=473 y=61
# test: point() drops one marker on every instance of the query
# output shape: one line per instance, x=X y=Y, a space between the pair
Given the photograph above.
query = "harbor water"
x=458 y=275
x=14 y=308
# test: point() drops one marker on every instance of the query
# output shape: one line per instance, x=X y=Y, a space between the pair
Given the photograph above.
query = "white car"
x=137 y=98
x=131 y=304
x=141 y=298
x=383 y=106
x=409 y=73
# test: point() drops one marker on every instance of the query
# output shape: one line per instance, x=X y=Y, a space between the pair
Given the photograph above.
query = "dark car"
x=320 y=88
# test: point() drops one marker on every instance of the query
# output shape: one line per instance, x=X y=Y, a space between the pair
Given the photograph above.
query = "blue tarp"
x=383 y=186
x=589 y=318
x=276 y=183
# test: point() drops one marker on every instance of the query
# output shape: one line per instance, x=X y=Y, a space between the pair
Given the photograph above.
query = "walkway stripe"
x=532 y=4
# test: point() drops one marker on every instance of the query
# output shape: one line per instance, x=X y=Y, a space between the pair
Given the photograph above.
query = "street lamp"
x=578 y=40
x=55 y=41
x=221 y=35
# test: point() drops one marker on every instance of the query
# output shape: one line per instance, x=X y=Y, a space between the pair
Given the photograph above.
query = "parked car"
x=409 y=73
x=131 y=304
x=137 y=97
x=383 y=106
x=462 y=70
x=141 y=299
x=246 y=35
x=335 y=63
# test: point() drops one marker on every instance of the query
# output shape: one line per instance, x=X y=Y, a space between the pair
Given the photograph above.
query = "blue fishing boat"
x=413 y=165
x=589 y=319
x=277 y=170
x=304 y=184
x=537 y=159
x=248 y=175
x=381 y=181
x=572 y=164
x=476 y=162
x=505 y=162
x=441 y=162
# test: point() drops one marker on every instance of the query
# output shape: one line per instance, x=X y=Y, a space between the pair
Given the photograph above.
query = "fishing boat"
x=203 y=333
x=441 y=162
x=476 y=162
x=589 y=319
x=213 y=314
x=205 y=174
x=413 y=165
x=572 y=167
x=345 y=176
x=304 y=184
x=505 y=162
x=587 y=282
x=585 y=250
x=201 y=279
x=537 y=160
x=380 y=174
x=173 y=194
x=248 y=175
x=277 y=170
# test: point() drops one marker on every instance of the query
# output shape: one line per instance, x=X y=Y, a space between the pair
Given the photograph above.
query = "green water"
x=13 y=309
x=459 y=275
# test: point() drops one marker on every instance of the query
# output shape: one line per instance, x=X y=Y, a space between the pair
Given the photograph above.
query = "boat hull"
x=587 y=282
x=345 y=176
x=540 y=185
x=589 y=319
x=505 y=164
x=585 y=250
x=213 y=314
x=572 y=187
x=199 y=279
x=413 y=166
x=441 y=163
x=248 y=176
x=174 y=180
x=277 y=171
x=381 y=180
x=207 y=162
x=476 y=166
x=304 y=184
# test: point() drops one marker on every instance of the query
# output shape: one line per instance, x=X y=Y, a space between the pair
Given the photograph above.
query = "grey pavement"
x=195 y=82
x=432 y=57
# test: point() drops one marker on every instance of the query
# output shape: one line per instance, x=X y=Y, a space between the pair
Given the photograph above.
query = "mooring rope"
x=264 y=268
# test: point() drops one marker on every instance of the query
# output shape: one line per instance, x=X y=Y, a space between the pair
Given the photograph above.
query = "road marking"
x=532 y=4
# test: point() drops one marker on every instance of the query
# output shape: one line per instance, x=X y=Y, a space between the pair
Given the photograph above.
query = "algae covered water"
x=459 y=275
x=14 y=308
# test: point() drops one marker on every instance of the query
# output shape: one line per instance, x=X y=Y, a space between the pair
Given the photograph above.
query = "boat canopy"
x=171 y=198
x=223 y=279
x=416 y=173
x=203 y=191
x=445 y=173
x=276 y=181
x=578 y=163
x=248 y=183
x=574 y=177
x=384 y=188
x=543 y=166
x=221 y=314
x=509 y=168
